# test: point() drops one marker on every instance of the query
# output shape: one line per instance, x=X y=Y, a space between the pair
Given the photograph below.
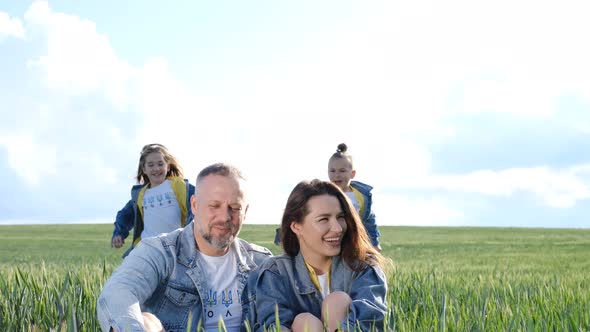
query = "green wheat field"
x=445 y=279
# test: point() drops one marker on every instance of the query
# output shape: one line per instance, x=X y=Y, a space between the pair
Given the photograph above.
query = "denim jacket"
x=367 y=215
x=161 y=276
x=130 y=215
x=284 y=281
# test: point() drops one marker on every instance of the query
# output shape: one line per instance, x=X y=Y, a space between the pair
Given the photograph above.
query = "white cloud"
x=514 y=96
x=79 y=60
x=84 y=82
x=383 y=87
x=561 y=188
x=10 y=27
x=509 y=56
x=55 y=134
x=556 y=188
x=403 y=210
x=29 y=158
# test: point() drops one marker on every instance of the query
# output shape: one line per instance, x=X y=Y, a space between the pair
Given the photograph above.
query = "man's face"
x=219 y=207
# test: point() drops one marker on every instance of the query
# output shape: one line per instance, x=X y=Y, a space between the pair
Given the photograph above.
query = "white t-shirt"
x=323 y=279
x=223 y=300
x=355 y=203
x=161 y=212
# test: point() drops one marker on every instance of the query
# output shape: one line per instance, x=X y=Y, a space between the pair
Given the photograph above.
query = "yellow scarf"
x=361 y=199
x=314 y=277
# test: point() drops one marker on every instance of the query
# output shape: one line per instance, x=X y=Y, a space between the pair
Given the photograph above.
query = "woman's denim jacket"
x=284 y=281
x=161 y=276
x=129 y=217
x=368 y=217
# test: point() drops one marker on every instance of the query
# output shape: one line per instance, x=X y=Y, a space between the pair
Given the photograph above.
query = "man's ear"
x=246 y=210
x=353 y=173
x=194 y=204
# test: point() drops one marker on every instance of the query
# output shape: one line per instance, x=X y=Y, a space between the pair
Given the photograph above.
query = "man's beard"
x=218 y=243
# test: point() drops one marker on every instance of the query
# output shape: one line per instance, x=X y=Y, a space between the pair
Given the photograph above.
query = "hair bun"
x=342 y=148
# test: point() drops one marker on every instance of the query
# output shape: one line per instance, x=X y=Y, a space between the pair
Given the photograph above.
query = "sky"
x=458 y=113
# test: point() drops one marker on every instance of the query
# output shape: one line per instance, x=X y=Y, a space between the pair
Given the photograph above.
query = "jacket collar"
x=135 y=191
x=187 y=246
x=341 y=275
x=362 y=187
x=304 y=283
x=337 y=273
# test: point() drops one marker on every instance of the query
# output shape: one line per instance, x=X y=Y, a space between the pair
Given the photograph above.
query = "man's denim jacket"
x=284 y=281
x=161 y=276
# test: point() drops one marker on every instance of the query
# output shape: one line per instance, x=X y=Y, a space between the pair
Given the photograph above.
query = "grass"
x=445 y=279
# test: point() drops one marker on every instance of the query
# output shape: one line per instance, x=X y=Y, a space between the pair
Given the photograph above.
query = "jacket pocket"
x=181 y=297
x=175 y=308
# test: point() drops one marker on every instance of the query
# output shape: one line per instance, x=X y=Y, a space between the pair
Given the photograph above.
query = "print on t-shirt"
x=223 y=295
x=223 y=306
x=161 y=211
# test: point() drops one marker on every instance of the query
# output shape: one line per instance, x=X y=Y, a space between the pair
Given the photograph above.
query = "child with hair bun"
x=341 y=171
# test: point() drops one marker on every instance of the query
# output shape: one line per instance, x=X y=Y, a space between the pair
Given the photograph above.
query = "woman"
x=330 y=276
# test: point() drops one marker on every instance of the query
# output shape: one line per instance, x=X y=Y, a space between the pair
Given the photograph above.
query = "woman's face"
x=321 y=231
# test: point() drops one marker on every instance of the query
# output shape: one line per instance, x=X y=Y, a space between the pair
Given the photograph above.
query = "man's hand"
x=152 y=323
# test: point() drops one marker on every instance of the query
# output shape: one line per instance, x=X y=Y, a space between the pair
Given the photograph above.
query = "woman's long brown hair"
x=357 y=250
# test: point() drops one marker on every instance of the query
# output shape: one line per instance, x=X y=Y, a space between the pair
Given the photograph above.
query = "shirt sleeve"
x=132 y=283
x=124 y=220
x=272 y=295
x=369 y=306
x=371 y=227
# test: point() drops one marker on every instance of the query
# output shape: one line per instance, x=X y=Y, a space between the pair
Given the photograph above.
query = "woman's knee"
x=336 y=301
x=307 y=322
x=335 y=308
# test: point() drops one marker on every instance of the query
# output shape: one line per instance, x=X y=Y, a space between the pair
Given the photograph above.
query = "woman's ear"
x=295 y=227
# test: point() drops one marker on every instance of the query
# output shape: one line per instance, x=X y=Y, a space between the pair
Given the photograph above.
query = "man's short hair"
x=222 y=169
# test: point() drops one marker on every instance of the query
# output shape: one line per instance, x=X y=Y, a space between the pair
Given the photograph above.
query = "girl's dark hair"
x=174 y=168
x=357 y=250
x=341 y=152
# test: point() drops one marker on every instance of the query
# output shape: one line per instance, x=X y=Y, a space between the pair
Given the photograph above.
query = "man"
x=194 y=277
